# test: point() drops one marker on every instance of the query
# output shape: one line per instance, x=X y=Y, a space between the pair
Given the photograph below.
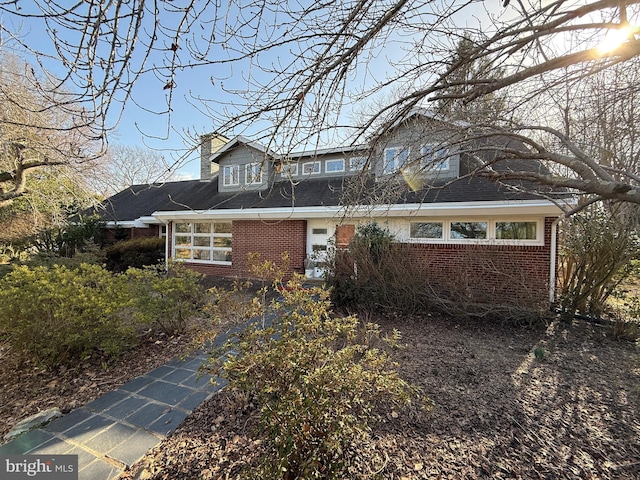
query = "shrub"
x=59 y=315
x=165 y=299
x=136 y=253
x=317 y=380
x=599 y=246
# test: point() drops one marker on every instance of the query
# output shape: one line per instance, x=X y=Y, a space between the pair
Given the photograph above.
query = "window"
x=319 y=231
x=395 y=158
x=433 y=230
x=289 y=170
x=253 y=174
x=434 y=158
x=516 y=230
x=203 y=241
x=163 y=231
x=310 y=168
x=333 y=166
x=469 y=230
x=230 y=175
x=357 y=163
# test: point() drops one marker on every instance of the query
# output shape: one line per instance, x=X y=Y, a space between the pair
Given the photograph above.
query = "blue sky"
x=145 y=121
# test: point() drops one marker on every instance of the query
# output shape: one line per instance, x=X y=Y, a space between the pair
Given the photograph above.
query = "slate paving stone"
x=85 y=458
x=55 y=446
x=168 y=422
x=88 y=429
x=69 y=420
x=137 y=384
x=106 y=400
x=179 y=375
x=26 y=442
x=166 y=392
x=160 y=372
x=190 y=403
x=146 y=415
x=134 y=448
x=98 y=470
x=111 y=437
x=194 y=364
x=126 y=407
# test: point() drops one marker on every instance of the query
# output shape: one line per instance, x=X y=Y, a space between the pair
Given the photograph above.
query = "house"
x=250 y=199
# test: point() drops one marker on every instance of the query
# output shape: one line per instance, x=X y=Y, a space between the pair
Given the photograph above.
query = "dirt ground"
x=499 y=411
x=571 y=412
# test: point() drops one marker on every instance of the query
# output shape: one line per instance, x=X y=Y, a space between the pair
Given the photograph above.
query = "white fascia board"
x=457 y=209
x=142 y=222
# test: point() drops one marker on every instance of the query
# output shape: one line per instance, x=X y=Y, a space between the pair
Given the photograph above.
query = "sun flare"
x=614 y=38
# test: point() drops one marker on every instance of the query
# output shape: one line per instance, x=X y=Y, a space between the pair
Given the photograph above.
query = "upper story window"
x=395 y=158
x=333 y=166
x=231 y=175
x=357 y=163
x=310 y=168
x=434 y=158
x=289 y=169
x=253 y=174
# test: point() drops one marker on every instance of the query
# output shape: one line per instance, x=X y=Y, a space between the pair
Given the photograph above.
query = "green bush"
x=136 y=253
x=165 y=299
x=59 y=315
x=317 y=379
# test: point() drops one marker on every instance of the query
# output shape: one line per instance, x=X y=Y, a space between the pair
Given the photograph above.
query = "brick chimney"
x=210 y=143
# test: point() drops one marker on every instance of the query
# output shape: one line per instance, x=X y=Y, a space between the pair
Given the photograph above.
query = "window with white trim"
x=434 y=158
x=395 y=158
x=426 y=230
x=208 y=242
x=357 y=164
x=289 y=169
x=231 y=175
x=496 y=231
x=469 y=230
x=253 y=174
x=310 y=168
x=334 y=166
x=516 y=230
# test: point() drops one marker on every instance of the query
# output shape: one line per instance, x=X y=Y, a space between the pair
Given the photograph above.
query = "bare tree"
x=37 y=136
x=125 y=165
x=300 y=66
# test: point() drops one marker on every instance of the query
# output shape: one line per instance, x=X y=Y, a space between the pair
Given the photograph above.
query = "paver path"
x=118 y=428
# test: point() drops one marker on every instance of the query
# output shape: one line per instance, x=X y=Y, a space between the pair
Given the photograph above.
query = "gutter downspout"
x=552 y=261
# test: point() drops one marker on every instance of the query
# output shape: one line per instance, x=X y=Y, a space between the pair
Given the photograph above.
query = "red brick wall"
x=500 y=272
x=269 y=239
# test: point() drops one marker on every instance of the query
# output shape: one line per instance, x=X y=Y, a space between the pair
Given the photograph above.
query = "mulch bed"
x=499 y=411
x=28 y=388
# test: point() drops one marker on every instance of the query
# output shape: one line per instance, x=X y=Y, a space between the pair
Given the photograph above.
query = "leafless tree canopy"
x=300 y=67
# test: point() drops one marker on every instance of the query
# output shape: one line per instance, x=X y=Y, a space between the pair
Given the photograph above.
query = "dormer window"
x=231 y=175
x=253 y=174
x=356 y=164
x=434 y=158
x=310 y=168
x=289 y=170
x=395 y=158
x=334 y=166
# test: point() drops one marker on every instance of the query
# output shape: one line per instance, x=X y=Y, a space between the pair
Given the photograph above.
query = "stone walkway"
x=117 y=429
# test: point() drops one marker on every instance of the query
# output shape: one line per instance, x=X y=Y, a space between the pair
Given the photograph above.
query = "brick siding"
x=501 y=272
x=268 y=238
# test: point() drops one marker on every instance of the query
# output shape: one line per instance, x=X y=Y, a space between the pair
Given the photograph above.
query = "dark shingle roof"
x=143 y=200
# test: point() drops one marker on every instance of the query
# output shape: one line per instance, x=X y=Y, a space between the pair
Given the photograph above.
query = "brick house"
x=250 y=199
